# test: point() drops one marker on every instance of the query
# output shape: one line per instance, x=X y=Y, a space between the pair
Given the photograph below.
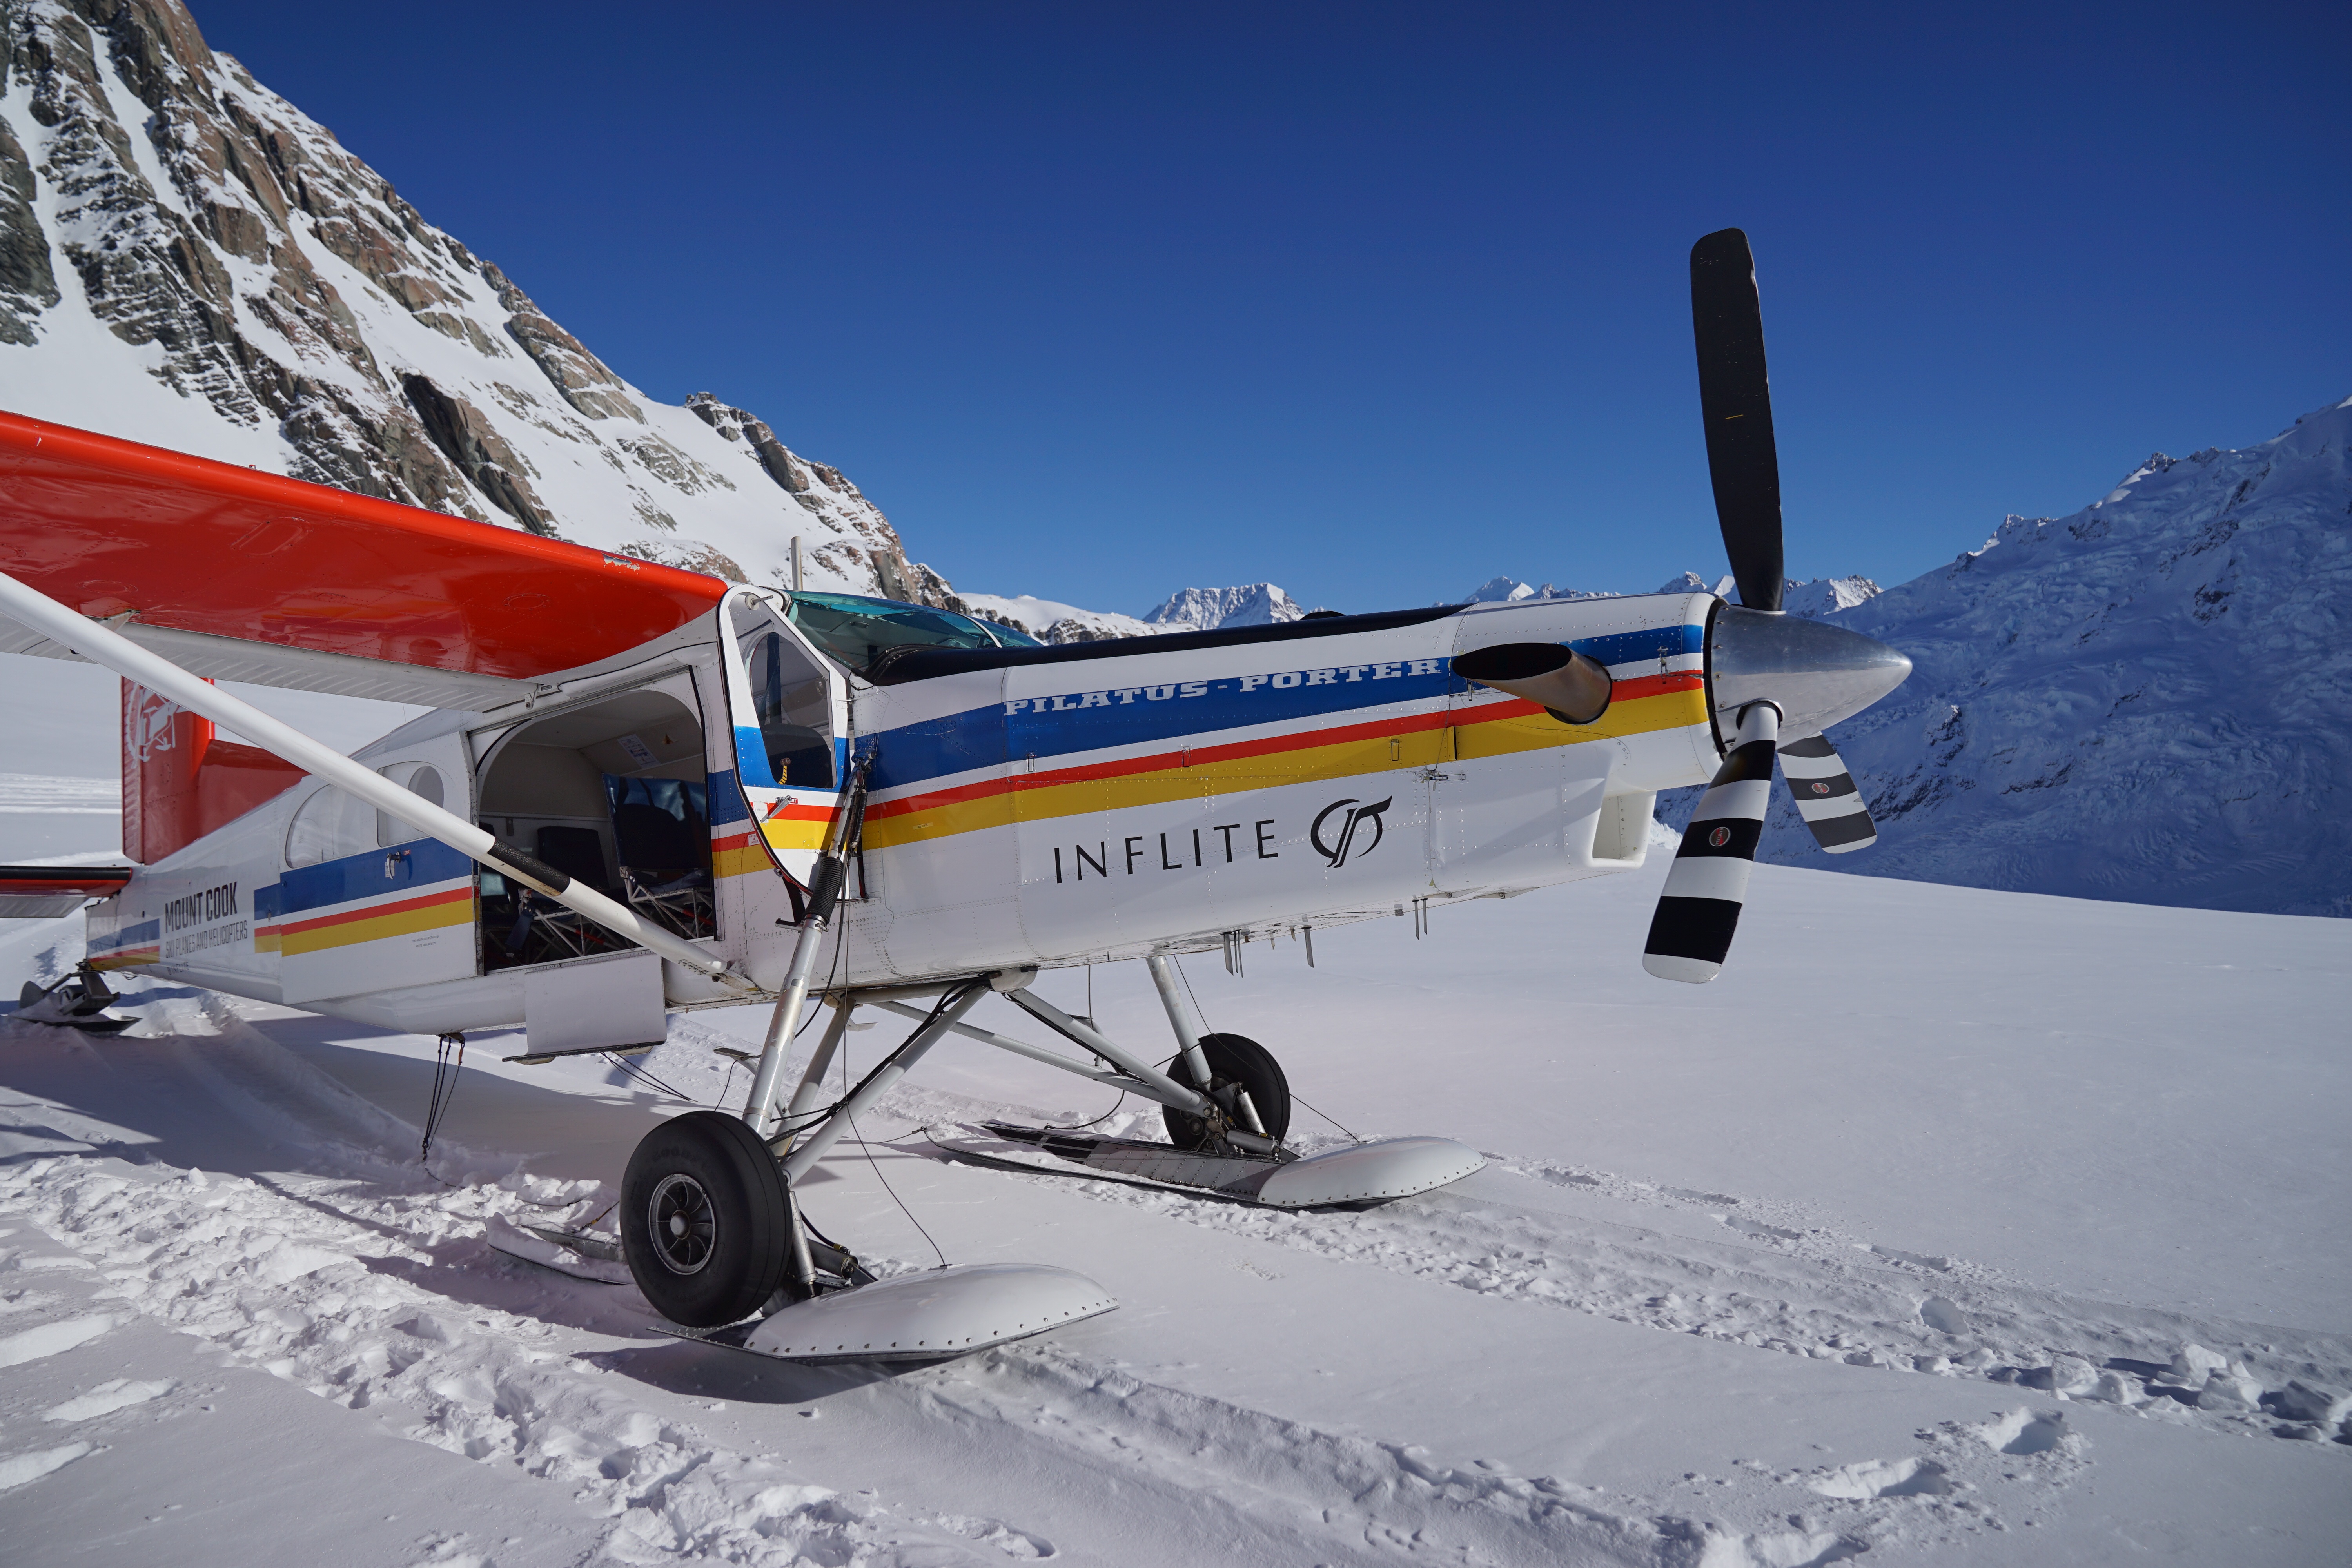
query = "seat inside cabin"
x=614 y=795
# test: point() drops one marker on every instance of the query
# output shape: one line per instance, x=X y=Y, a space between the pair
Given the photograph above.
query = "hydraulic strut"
x=842 y=838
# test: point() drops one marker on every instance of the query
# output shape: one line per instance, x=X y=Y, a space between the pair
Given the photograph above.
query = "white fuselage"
x=1086 y=803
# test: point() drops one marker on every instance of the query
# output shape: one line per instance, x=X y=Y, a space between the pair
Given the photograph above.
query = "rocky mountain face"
x=187 y=259
x=2149 y=699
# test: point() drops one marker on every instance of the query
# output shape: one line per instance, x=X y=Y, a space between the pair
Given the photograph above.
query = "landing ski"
x=583 y=1255
x=936 y=1315
x=1357 y=1176
x=78 y=1000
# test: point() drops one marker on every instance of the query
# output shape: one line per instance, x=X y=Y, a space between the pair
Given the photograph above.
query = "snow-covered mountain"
x=1201 y=609
x=1827 y=595
x=1510 y=591
x=1818 y=596
x=1051 y=621
x=2149 y=699
x=1186 y=610
x=189 y=260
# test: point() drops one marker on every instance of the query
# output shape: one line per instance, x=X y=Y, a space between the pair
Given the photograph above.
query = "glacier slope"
x=2149 y=699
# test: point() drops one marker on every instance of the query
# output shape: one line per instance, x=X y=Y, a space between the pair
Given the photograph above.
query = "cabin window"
x=795 y=712
x=417 y=779
x=328 y=826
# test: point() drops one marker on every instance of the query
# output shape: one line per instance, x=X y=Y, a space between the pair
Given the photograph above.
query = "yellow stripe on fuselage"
x=451 y=911
x=1454 y=734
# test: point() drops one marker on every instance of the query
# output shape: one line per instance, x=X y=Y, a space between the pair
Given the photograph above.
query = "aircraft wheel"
x=704 y=1223
x=1233 y=1058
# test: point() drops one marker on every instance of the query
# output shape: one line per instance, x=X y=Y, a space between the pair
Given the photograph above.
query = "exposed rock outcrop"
x=467 y=439
x=28 y=284
x=230 y=249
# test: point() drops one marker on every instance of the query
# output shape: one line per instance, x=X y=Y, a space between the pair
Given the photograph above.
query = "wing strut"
x=101 y=645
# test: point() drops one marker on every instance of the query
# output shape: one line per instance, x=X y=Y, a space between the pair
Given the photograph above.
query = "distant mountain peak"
x=1511 y=591
x=1204 y=609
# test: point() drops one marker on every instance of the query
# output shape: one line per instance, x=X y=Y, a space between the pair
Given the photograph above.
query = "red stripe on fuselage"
x=369 y=912
x=1272 y=745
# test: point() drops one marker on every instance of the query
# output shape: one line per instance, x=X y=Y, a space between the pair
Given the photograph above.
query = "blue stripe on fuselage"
x=1631 y=648
x=1133 y=715
x=356 y=877
x=989 y=737
x=723 y=799
x=137 y=935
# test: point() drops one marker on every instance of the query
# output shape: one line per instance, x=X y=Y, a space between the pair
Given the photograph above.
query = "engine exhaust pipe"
x=1566 y=684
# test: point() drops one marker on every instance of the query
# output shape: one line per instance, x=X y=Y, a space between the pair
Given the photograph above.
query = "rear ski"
x=78 y=1000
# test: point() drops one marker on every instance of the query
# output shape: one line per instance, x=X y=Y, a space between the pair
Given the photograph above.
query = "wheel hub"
x=683 y=1223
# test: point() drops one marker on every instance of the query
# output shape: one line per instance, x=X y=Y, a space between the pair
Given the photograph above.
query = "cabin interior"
x=614 y=795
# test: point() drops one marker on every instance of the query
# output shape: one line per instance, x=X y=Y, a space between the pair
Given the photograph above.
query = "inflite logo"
x=1344 y=843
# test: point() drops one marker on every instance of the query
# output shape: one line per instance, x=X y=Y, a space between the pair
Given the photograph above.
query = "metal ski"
x=583 y=1255
x=933 y=1316
x=1357 y=1176
x=78 y=1000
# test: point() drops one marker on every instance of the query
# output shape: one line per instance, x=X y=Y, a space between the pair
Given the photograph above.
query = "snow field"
x=1682 y=1319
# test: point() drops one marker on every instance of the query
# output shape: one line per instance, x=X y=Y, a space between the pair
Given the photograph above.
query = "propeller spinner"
x=1775 y=681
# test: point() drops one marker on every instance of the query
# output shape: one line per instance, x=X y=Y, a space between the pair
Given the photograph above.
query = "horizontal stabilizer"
x=43 y=893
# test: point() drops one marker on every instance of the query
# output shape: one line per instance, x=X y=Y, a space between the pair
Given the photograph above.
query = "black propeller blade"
x=1706 y=887
x=1737 y=402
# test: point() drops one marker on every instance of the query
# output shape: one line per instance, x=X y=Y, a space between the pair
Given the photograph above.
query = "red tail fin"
x=179 y=783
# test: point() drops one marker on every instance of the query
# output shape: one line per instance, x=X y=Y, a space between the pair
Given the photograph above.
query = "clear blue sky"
x=1378 y=300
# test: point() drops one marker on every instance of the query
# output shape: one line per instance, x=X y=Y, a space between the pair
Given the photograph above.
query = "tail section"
x=180 y=782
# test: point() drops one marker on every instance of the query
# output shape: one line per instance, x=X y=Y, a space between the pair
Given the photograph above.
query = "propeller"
x=1769 y=675
x=1734 y=398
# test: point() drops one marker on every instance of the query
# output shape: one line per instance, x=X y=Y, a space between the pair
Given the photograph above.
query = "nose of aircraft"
x=1815 y=673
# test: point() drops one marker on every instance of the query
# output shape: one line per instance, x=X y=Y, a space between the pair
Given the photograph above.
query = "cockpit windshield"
x=853 y=628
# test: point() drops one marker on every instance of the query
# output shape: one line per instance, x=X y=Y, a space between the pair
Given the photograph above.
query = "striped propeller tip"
x=1826 y=795
x=1706 y=887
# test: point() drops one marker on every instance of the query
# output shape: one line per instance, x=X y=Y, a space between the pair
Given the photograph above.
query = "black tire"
x=1232 y=1058
x=704 y=1223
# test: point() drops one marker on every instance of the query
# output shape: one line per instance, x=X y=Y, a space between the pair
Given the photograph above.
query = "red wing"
x=106 y=526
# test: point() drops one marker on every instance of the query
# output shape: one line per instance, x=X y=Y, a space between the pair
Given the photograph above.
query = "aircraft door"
x=788 y=709
x=614 y=792
x=363 y=903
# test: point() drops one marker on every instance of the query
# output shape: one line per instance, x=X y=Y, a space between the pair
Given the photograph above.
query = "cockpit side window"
x=854 y=629
x=788 y=696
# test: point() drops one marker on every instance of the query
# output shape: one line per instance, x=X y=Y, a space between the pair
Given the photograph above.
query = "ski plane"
x=641 y=791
